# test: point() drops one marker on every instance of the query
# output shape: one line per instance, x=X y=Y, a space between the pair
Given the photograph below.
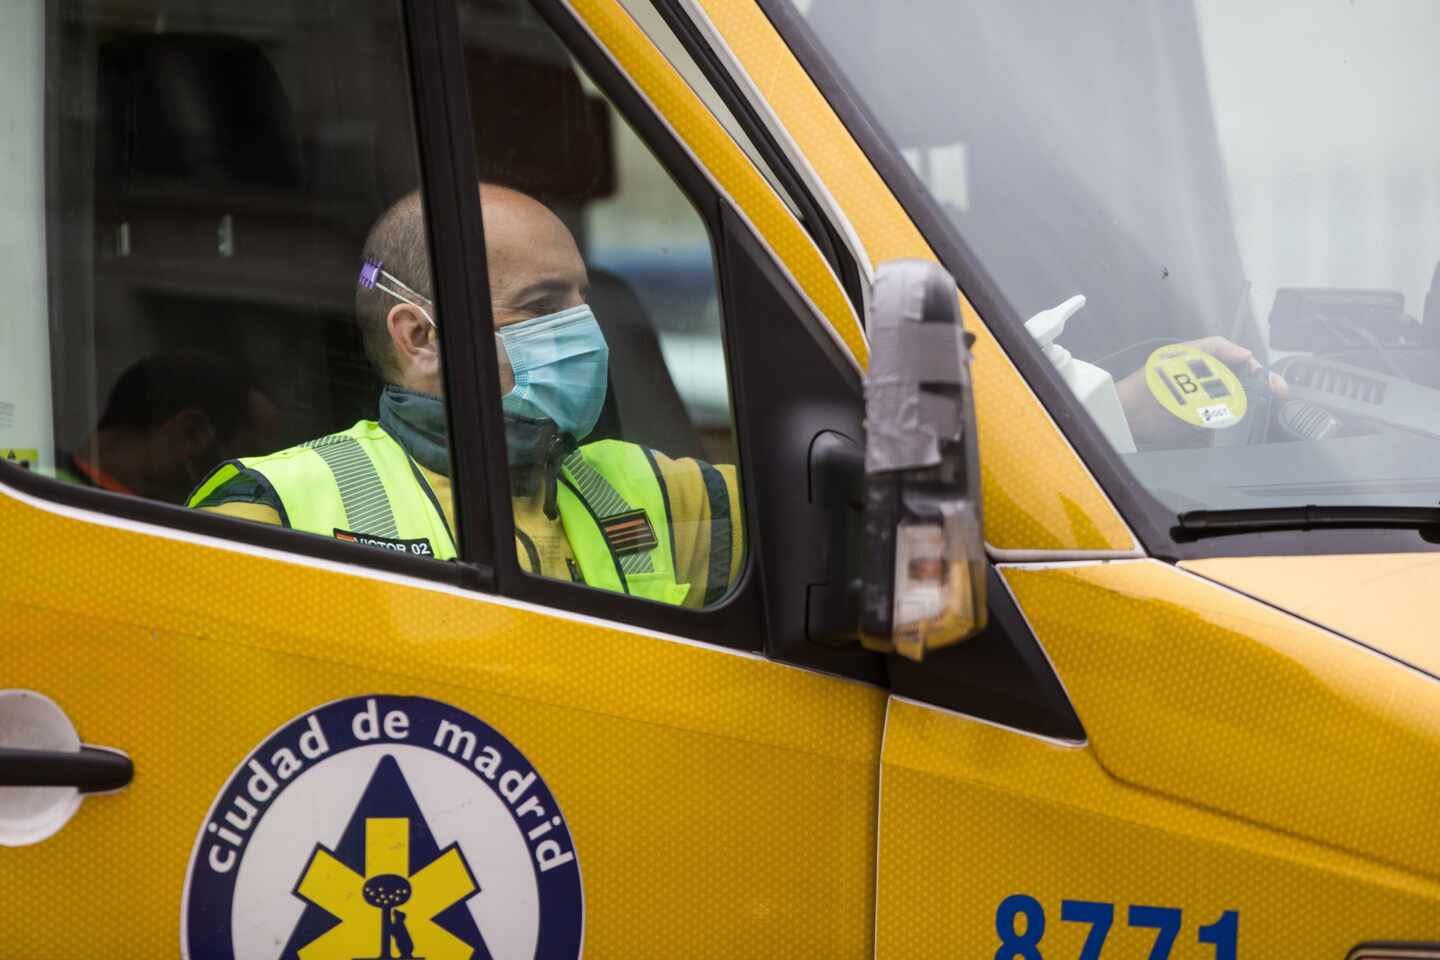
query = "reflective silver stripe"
x=637 y=563
x=602 y=497
x=367 y=507
x=605 y=501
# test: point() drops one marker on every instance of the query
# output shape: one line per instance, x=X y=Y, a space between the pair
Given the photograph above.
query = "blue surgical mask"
x=560 y=363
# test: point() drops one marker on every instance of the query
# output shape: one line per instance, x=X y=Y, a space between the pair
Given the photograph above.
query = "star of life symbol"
x=384 y=828
x=367 y=902
x=330 y=884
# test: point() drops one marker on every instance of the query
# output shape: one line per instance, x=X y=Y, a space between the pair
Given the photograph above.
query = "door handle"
x=89 y=770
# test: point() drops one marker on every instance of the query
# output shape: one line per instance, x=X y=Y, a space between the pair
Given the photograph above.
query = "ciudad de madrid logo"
x=384 y=828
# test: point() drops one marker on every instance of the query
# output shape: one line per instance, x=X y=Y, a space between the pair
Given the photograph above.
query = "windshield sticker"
x=1195 y=387
x=383 y=826
x=1216 y=416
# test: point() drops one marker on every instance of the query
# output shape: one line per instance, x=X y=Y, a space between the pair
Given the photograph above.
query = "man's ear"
x=416 y=344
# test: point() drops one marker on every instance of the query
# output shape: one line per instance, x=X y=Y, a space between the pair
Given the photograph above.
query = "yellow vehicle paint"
x=1396 y=617
x=1236 y=756
x=990 y=813
x=199 y=651
x=1246 y=710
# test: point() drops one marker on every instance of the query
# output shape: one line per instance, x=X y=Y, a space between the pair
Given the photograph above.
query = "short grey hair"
x=398 y=241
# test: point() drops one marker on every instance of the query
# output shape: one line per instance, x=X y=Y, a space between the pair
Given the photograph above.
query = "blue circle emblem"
x=384 y=827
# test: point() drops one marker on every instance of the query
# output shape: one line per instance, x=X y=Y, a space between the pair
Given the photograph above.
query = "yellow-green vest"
x=361 y=485
x=617 y=520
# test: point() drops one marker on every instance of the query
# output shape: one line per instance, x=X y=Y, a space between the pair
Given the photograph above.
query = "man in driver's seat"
x=610 y=514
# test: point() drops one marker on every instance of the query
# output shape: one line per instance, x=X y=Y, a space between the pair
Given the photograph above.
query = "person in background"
x=166 y=422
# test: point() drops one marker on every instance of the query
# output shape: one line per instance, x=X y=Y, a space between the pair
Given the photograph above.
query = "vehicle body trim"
x=744 y=215
x=387 y=577
x=824 y=199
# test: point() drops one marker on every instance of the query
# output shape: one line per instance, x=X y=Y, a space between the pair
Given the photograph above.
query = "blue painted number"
x=1099 y=915
x=1015 y=943
x=1024 y=944
x=1223 y=933
x=1166 y=920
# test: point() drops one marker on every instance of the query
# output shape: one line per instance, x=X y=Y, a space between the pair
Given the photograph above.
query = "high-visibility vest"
x=361 y=485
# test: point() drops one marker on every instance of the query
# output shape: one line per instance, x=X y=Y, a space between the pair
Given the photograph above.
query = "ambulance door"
x=249 y=234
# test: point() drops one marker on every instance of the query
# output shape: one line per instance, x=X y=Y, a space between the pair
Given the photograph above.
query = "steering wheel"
x=1255 y=428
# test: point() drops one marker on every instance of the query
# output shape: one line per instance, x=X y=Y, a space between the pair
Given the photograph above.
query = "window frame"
x=478 y=446
x=817 y=224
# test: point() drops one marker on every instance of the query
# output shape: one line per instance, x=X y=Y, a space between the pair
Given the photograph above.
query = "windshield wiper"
x=1198 y=524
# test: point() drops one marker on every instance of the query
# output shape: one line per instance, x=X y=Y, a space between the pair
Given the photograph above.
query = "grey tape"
x=905 y=425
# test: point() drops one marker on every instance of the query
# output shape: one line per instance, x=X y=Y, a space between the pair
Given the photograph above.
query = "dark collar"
x=417 y=422
x=534 y=447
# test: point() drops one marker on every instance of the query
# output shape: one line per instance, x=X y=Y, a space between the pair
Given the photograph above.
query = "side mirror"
x=924 y=548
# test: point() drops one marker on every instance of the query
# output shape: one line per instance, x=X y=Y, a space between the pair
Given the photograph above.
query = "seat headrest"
x=203 y=110
x=535 y=127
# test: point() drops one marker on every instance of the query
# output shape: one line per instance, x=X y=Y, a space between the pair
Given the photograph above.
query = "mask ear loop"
x=370 y=279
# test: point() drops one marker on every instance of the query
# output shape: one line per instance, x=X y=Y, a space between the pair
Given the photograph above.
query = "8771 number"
x=1020 y=940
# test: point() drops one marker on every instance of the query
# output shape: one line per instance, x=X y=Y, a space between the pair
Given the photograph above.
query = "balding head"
x=534 y=265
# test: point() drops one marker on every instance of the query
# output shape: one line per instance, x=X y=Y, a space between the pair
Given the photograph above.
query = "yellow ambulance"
x=1088 y=613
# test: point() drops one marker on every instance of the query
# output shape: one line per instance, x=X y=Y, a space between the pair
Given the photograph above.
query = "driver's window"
x=608 y=323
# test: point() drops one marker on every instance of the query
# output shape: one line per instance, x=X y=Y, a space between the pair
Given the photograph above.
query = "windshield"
x=1246 y=196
